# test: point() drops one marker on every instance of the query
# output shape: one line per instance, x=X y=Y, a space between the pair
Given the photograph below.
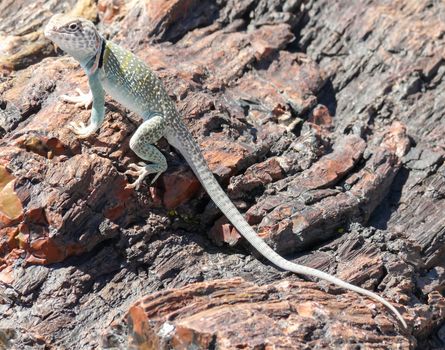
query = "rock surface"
x=240 y=316
x=323 y=119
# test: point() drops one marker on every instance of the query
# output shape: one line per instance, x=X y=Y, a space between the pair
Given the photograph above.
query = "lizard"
x=112 y=68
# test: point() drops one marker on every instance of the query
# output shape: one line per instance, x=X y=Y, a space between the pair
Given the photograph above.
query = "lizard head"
x=76 y=36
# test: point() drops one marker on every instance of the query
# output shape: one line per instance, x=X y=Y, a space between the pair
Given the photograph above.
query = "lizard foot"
x=141 y=171
x=81 y=100
x=81 y=130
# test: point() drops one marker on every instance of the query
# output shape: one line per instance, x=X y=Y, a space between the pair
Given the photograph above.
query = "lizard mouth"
x=51 y=34
x=48 y=32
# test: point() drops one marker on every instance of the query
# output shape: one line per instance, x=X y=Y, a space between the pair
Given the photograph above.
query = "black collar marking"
x=102 y=51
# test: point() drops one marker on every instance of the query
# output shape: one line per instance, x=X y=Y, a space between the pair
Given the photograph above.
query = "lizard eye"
x=73 y=26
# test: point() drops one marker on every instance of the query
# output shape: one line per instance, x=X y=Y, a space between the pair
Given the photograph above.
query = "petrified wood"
x=323 y=119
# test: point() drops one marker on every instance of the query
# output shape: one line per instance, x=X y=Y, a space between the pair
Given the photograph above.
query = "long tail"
x=191 y=152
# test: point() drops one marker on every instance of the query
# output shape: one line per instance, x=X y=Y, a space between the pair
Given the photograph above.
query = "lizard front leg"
x=141 y=143
x=97 y=113
x=79 y=100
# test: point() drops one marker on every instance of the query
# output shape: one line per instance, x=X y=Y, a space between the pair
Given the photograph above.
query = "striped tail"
x=185 y=143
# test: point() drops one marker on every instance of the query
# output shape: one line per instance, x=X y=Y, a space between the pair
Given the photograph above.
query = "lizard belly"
x=120 y=94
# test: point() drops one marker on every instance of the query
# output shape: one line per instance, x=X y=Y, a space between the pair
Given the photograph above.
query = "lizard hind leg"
x=141 y=143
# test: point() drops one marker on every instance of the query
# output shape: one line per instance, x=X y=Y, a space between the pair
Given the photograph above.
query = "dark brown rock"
x=325 y=119
x=257 y=176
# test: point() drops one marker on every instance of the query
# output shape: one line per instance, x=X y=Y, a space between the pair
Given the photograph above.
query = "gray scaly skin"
x=130 y=82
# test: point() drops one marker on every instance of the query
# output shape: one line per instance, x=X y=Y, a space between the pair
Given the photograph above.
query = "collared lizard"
x=129 y=81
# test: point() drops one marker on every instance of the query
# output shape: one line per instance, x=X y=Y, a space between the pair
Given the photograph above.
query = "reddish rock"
x=179 y=187
x=6 y=275
x=331 y=168
x=396 y=139
x=294 y=224
x=328 y=116
x=224 y=232
x=43 y=146
x=286 y=87
x=320 y=116
x=223 y=159
x=245 y=315
x=327 y=171
x=109 y=9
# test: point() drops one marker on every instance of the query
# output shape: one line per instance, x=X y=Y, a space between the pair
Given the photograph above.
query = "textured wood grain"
x=325 y=121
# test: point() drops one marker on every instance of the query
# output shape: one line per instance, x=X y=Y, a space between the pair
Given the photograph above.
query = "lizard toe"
x=81 y=130
x=132 y=173
x=80 y=100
